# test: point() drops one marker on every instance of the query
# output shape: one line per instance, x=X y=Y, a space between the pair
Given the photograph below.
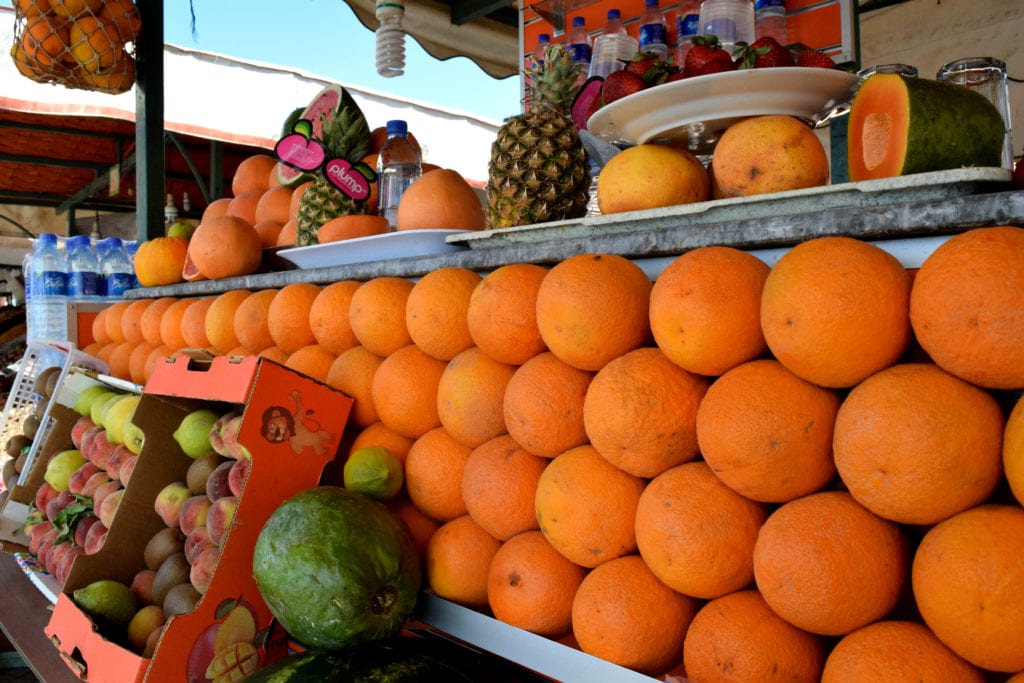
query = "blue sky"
x=325 y=38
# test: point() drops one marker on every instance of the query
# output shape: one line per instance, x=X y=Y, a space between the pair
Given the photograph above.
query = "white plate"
x=374 y=248
x=695 y=111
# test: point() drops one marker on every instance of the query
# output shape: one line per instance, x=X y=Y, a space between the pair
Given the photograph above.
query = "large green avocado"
x=336 y=568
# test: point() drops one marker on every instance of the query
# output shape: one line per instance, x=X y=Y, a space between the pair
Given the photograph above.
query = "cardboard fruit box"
x=292 y=425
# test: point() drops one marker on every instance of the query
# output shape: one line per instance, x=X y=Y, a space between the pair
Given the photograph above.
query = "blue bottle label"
x=51 y=283
x=580 y=52
x=82 y=284
x=652 y=34
x=118 y=283
x=689 y=25
x=765 y=4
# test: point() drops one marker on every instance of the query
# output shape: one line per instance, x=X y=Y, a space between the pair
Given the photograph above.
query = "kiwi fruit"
x=30 y=426
x=42 y=384
x=173 y=572
x=19 y=462
x=40 y=409
x=162 y=545
x=15 y=444
x=180 y=599
x=9 y=474
x=51 y=383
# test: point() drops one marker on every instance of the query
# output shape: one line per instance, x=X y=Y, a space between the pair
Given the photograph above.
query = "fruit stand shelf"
x=653 y=237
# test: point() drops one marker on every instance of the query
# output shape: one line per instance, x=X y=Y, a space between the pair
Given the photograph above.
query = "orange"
x=99 y=327
x=377 y=314
x=93 y=348
x=421 y=527
x=31 y=8
x=151 y=319
x=94 y=44
x=649 y=176
x=250 y=321
x=436 y=310
x=696 y=534
x=119 y=360
x=193 y=323
x=737 y=638
x=269 y=231
x=103 y=353
x=433 y=475
x=118 y=78
x=170 y=324
x=966 y=306
x=766 y=433
x=216 y=208
x=226 y=246
x=706 y=309
x=293 y=203
x=378 y=434
x=157 y=355
x=288 y=234
x=895 y=651
x=828 y=565
x=273 y=205
x=253 y=174
x=244 y=206
x=288 y=316
x=543 y=405
x=112 y=320
x=592 y=308
x=440 y=199
x=966 y=578
x=72 y=8
x=502 y=313
x=159 y=261
x=586 y=507
x=835 y=310
x=470 y=396
x=624 y=615
x=45 y=39
x=916 y=445
x=137 y=361
x=458 y=559
x=404 y=391
x=498 y=486
x=640 y=412
x=124 y=15
x=531 y=586
x=272 y=352
x=1013 y=450
x=352 y=373
x=131 y=320
x=220 y=319
x=351 y=226
x=328 y=317
x=313 y=361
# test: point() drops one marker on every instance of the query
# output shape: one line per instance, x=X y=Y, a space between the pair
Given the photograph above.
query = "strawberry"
x=765 y=52
x=649 y=67
x=619 y=84
x=707 y=57
x=815 y=59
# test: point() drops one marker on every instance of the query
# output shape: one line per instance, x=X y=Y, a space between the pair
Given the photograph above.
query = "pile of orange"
x=840 y=494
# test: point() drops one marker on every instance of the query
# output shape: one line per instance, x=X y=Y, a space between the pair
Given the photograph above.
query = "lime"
x=374 y=471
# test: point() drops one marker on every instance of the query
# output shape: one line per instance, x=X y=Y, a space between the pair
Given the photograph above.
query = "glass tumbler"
x=986 y=75
x=731 y=21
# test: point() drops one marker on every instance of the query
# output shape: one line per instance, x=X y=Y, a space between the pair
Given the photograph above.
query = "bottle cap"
x=397 y=127
x=614 y=14
x=48 y=238
x=78 y=240
x=544 y=38
x=578 y=22
x=651 y=3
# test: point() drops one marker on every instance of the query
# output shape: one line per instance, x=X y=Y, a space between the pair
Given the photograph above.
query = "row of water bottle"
x=78 y=269
x=731 y=20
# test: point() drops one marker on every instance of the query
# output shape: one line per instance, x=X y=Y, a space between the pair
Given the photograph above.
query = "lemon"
x=193 y=433
x=375 y=472
x=106 y=600
x=61 y=466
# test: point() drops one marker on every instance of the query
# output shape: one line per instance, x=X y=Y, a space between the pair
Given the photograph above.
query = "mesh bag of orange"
x=84 y=44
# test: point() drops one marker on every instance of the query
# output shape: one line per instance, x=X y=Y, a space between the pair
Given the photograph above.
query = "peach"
x=169 y=501
x=43 y=495
x=219 y=518
x=201 y=573
x=198 y=541
x=46 y=545
x=124 y=473
x=36 y=533
x=58 y=503
x=199 y=471
x=193 y=513
x=82 y=528
x=78 y=430
x=152 y=641
x=142 y=586
x=145 y=622
x=94 y=482
x=80 y=476
x=237 y=476
x=53 y=558
x=87 y=440
x=117 y=457
x=65 y=562
x=95 y=539
x=108 y=508
x=217 y=486
x=99 y=449
x=103 y=491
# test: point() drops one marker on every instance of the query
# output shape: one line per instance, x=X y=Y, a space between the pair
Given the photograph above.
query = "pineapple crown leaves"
x=554 y=83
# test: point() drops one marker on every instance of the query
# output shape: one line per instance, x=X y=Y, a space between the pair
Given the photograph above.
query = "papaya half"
x=901 y=125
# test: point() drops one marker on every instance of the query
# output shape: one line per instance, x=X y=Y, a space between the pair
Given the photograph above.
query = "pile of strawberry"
x=707 y=56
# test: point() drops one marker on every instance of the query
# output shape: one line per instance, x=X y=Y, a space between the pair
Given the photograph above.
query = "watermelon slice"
x=327 y=103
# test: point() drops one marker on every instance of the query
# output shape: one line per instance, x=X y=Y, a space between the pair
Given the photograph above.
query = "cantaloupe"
x=901 y=125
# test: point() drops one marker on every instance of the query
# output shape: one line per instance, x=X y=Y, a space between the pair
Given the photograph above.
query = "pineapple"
x=345 y=135
x=538 y=170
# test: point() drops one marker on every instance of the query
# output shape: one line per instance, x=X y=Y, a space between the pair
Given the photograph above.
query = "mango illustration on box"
x=300 y=150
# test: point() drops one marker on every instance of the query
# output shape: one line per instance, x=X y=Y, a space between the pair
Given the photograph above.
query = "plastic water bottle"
x=732 y=21
x=687 y=26
x=49 y=291
x=653 y=30
x=613 y=48
x=26 y=274
x=770 y=20
x=84 y=279
x=118 y=272
x=543 y=41
x=577 y=42
x=398 y=166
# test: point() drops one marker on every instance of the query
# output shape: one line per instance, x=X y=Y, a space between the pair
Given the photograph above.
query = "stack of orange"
x=721 y=526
